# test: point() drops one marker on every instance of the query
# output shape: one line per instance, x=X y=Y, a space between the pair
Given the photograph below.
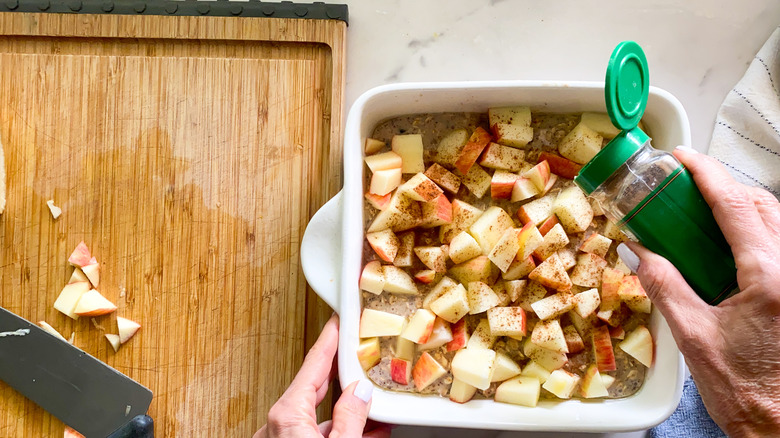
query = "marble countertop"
x=697 y=50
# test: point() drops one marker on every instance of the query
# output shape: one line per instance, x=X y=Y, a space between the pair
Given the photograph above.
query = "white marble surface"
x=696 y=49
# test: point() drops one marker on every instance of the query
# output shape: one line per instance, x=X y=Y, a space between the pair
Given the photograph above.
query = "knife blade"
x=83 y=392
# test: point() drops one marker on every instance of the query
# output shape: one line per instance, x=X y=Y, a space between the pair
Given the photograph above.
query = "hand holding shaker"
x=650 y=194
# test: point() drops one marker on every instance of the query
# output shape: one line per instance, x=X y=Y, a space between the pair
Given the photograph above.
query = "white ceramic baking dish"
x=332 y=244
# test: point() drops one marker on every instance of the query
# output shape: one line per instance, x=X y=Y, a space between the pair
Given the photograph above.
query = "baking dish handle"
x=321 y=251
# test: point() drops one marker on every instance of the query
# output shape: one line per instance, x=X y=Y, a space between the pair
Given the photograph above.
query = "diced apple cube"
x=511 y=115
x=612 y=231
x=608 y=380
x=474 y=367
x=425 y=276
x=507 y=321
x=373 y=146
x=529 y=239
x=522 y=390
x=611 y=279
x=69 y=297
x=598 y=210
x=400 y=371
x=419 y=327
x=464 y=247
x=443 y=177
x=596 y=244
x=588 y=271
x=548 y=224
x=548 y=334
x=639 y=345
x=533 y=369
x=385 y=243
x=523 y=189
x=385 y=181
x=633 y=294
x=600 y=123
x=536 y=211
x=502 y=183
x=592 y=384
x=505 y=250
x=460 y=335
x=402 y=214
x=384 y=161
x=80 y=256
x=481 y=297
x=461 y=392
x=404 y=348
x=548 y=359
x=621 y=266
x=574 y=341
x=440 y=335
x=560 y=166
x=551 y=273
x=482 y=337
x=553 y=306
x=496 y=156
x=602 y=349
x=512 y=135
x=378 y=323
x=405 y=256
x=368 y=353
x=114 y=341
x=504 y=368
x=581 y=144
x=426 y=371
x=433 y=257
x=92 y=303
x=77 y=276
x=617 y=332
x=410 y=148
x=398 y=281
x=499 y=287
x=550 y=183
x=452 y=305
x=539 y=175
x=421 y=188
x=92 y=271
x=379 y=202
x=568 y=258
x=450 y=147
x=586 y=303
x=514 y=289
x=489 y=227
x=532 y=293
x=573 y=210
x=519 y=268
x=463 y=216
x=476 y=180
x=561 y=383
x=477 y=269
x=442 y=287
x=472 y=150
x=554 y=240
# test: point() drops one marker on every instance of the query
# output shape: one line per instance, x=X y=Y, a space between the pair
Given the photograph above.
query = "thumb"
x=351 y=410
x=689 y=317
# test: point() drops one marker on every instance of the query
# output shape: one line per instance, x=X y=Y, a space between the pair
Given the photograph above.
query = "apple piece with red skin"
x=368 y=353
x=602 y=349
x=472 y=150
x=375 y=323
x=460 y=335
x=433 y=257
x=553 y=306
x=505 y=250
x=523 y=189
x=551 y=273
x=617 y=332
x=80 y=256
x=410 y=148
x=379 y=202
x=555 y=239
x=539 y=174
x=436 y=213
x=451 y=305
x=477 y=269
x=383 y=161
x=548 y=224
x=92 y=303
x=402 y=214
x=463 y=216
x=420 y=326
x=611 y=280
x=536 y=211
x=633 y=294
x=496 y=156
x=549 y=334
x=444 y=178
x=449 y=148
x=477 y=180
x=574 y=341
x=127 y=328
x=502 y=183
x=440 y=335
x=529 y=239
x=69 y=297
x=639 y=345
x=507 y=321
x=550 y=183
x=384 y=181
x=398 y=281
x=519 y=268
x=372 y=279
x=426 y=371
x=421 y=188
x=400 y=371
x=384 y=243
x=461 y=392
x=560 y=166
x=592 y=385
x=373 y=146
x=425 y=276
x=72 y=433
x=512 y=135
x=490 y=227
x=588 y=271
x=596 y=244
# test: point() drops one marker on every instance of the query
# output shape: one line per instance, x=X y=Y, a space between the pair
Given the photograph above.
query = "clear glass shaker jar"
x=649 y=193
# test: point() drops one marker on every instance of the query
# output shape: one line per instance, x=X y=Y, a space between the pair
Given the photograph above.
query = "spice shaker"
x=649 y=193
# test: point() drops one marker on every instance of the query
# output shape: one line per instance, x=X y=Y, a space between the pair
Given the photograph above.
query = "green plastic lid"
x=626 y=90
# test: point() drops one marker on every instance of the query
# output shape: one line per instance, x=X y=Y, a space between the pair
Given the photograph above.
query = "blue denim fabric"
x=690 y=420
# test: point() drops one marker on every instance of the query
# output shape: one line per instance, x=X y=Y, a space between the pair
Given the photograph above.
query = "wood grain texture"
x=188 y=153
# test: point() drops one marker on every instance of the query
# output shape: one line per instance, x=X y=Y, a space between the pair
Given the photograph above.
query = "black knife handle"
x=142 y=426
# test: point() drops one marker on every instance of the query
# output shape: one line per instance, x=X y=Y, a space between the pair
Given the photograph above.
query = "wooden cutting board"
x=189 y=154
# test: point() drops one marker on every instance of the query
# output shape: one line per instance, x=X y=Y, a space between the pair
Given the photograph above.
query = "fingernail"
x=687 y=149
x=629 y=257
x=363 y=390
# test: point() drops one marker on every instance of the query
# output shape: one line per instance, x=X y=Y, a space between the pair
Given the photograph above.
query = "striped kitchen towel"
x=746 y=138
